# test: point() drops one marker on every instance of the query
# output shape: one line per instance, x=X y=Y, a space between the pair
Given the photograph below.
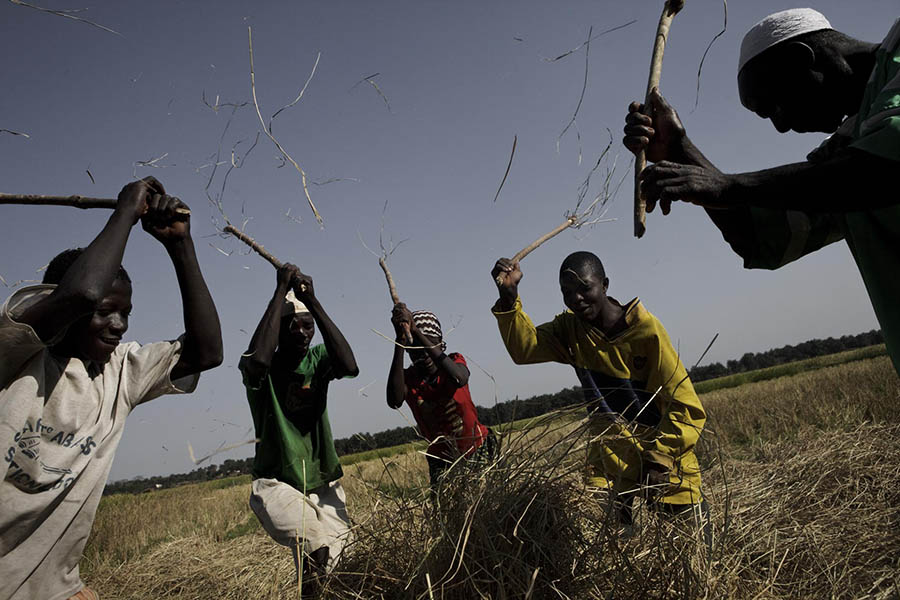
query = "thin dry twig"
x=218 y=450
x=68 y=15
x=578 y=218
x=572 y=121
x=371 y=81
x=267 y=129
x=508 y=166
x=18 y=133
x=588 y=41
x=705 y=52
x=74 y=201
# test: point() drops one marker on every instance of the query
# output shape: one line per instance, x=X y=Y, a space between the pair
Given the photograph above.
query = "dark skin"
x=797 y=88
x=286 y=340
x=428 y=357
x=585 y=294
x=583 y=291
x=93 y=306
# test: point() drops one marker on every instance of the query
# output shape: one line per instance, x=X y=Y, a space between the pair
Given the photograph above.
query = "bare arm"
x=342 y=359
x=850 y=180
x=202 y=349
x=90 y=276
x=258 y=358
x=396 y=384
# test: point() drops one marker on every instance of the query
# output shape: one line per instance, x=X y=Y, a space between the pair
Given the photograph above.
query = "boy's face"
x=95 y=337
x=297 y=332
x=422 y=359
x=584 y=293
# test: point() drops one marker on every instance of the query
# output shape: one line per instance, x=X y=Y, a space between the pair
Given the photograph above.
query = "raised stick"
x=257 y=247
x=76 y=201
x=570 y=222
x=392 y=288
x=659 y=47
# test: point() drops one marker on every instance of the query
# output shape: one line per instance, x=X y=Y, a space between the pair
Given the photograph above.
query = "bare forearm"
x=851 y=181
x=203 y=332
x=338 y=349
x=456 y=371
x=264 y=340
x=396 y=386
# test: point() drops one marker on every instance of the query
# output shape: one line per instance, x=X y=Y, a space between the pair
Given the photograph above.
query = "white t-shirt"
x=60 y=422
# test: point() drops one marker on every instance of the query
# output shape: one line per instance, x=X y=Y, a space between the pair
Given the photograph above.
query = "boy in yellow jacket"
x=645 y=417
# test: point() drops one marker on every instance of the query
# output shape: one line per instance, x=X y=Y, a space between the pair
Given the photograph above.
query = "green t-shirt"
x=291 y=420
x=771 y=238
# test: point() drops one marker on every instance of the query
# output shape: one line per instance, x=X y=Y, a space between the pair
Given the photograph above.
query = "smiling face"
x=584 y=293
x=96 y=336
x=296 y=332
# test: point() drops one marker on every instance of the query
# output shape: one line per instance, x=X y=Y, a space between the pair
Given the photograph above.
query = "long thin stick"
x=659 y=47
x=76 y=201
x=395 y=297
x=537 y=243
x=257 y=247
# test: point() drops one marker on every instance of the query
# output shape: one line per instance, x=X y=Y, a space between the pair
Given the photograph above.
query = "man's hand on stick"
x=302 y=285
x=134 y=198
x=668 y=181
x=285 y=275
x=163 y=221
x=659 y=134
x=507 y=275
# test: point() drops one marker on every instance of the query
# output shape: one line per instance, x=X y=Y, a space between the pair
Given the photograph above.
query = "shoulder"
x=457 y=358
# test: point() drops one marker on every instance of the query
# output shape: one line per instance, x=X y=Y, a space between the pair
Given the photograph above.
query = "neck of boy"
x=611 y=320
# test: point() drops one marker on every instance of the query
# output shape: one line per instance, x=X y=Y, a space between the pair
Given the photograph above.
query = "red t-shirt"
x=444 y=411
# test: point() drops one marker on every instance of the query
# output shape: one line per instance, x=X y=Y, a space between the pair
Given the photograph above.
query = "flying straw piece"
x=18 y=133
x=508 y=165
x=671 y=8
x=68 y=15
x=267 y=129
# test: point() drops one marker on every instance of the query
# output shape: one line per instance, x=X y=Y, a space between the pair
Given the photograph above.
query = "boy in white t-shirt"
x=67 y=384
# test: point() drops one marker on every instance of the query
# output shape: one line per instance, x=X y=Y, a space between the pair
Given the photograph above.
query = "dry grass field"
x=802 y=474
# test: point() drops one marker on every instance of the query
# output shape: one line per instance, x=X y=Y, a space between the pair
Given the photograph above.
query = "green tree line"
x=511 y=410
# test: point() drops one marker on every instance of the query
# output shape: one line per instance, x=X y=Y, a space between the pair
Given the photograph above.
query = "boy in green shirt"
x=296 y=490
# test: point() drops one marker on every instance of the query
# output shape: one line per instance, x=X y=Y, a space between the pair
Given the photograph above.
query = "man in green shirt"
x=804 y=76
x=296 y=491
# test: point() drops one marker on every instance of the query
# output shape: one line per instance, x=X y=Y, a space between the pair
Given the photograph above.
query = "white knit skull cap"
x=777 y=28
x=292 y=306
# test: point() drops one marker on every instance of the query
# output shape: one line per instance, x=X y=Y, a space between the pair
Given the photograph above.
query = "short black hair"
x=57 y=268
x=583 y=261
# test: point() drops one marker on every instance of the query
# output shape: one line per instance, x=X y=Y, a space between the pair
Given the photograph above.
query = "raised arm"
x=457 y=372
x=202 y=348
x=257 y=359
x=525 y=343
x=342 y=360
x=849 y=180
x=90 y=276
x=396 y=383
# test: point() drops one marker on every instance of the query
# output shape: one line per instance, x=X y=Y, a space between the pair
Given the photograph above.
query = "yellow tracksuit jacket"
x=643 y=407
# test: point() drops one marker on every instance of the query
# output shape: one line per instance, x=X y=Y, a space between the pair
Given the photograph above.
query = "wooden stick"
x=76 y=201
x=395 y=297
x=537 y=243
x=257 y=247
x=659 y=47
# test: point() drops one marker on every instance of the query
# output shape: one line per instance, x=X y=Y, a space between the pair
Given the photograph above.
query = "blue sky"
x=462 y=79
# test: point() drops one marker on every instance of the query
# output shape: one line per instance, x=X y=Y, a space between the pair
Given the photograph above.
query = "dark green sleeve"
x=771 y=238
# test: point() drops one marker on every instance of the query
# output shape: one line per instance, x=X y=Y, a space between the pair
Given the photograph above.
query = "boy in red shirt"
x=436 y=387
